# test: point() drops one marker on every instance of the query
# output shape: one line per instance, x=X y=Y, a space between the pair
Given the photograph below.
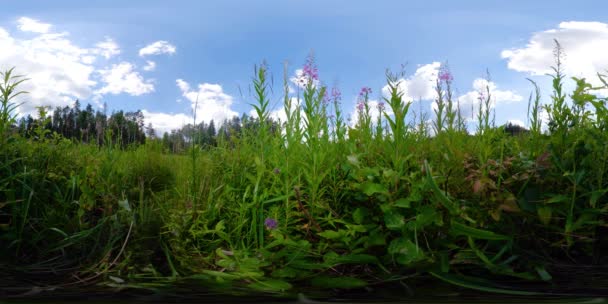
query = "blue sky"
x=159 y=55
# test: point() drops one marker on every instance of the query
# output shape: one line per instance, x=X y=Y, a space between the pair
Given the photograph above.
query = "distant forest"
x=125 y=129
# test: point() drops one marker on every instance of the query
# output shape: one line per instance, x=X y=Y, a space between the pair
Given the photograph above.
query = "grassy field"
x=315 y=203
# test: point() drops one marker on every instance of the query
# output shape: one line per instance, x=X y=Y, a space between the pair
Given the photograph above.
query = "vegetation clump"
x=311 y=202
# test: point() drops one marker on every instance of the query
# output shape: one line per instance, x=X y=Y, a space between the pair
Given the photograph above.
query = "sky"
x=165 y=57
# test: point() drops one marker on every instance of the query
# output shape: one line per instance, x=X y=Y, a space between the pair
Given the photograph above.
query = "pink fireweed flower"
x=360 y=106
x=365 y=91
x=336 y=95
x=445 y=75
x=380 y=106
x=270 y=223
x=310 y=70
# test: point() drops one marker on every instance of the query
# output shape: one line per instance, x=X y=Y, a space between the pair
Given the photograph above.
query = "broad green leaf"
x=331 y=234
x=403 y=203
x=360 y=214
x=461 y=229
x=124 y=204
x=405 y=251
x=393 y=220
x=372 y=188
x=544 y=214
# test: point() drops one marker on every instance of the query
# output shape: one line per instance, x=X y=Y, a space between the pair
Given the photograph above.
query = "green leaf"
x=360 y=214
x=461 y=229
x=543 y=274
x=286 y=272
x=441 y=196
x=124 y=204
x=557 y=199
x=403 y=203
x=544 y=214
x=393 y=220
x=372 y=188
x=338 y=282
x=331 y=234
x=405 y=251
x=270 y=285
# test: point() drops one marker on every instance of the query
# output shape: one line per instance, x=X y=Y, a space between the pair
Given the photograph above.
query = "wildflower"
x=276 y=171
x=310 y=70
x=326 y=99
x=270 y=223
x=360 y=106
x=336 y=95
x=380 y=106
x=365 y=91
x=445 y=75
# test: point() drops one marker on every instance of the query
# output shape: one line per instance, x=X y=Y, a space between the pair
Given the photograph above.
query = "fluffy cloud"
x=164 y=123
x=470 y=101
x=60 y=71
x=32 y=25
x=421 y=85
x=209 y=101
x=157 y=48
x=121 y=78
x=107 y=48
x=150 y=66
x=584 y=44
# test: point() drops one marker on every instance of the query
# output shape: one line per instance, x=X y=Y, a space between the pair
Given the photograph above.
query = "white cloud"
x=164 y=122
x=584 y=44
x=421 y=85
x=470 y=101
x=150 y=65
x=209 y=101
x=121 y=78
x=32 y=25
x=516 y=122
x=58 y=71
x=182 y=85
x=107 y=48
x=157 y=48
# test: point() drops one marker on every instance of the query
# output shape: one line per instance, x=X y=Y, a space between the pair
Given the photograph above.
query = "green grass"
x=354 y=206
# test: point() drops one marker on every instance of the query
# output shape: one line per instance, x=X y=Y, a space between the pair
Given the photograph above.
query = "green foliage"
x=312 y=202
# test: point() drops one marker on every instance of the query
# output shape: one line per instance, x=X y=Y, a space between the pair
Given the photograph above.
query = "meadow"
x=314 y=202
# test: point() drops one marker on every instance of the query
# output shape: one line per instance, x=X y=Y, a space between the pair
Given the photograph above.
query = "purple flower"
x=270 y=223
x=310 y=70
x=381 y=106
x=276 y=171
x=326 y=99
x=336 y=95
x=365 y=91
x=445 y=75
x=360 y=106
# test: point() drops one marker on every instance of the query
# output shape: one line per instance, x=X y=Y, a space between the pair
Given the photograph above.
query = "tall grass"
x=314 y=202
